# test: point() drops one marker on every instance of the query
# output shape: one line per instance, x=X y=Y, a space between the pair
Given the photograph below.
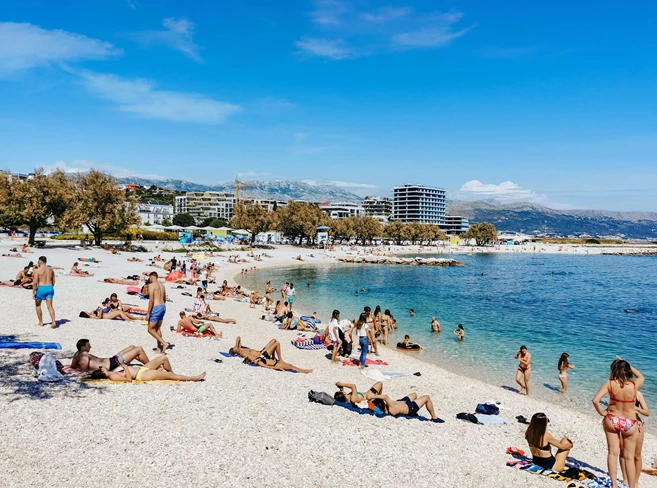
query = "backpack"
x=467 y=417
x=488 y=409
x=320 y=397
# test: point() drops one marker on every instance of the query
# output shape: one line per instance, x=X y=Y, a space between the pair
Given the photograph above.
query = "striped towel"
x=212 y=314
x=308 y=345
x=309 y=322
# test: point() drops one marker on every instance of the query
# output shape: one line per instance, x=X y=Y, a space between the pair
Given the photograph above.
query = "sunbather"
x=79 y=272
x=148 y=372
x=106 y=313
x=271 y=350
x=214 y=318
x=354 y=396
x=17 y=255
x=88 y=362
x=135 y=260
x=119 y=281
x=88 y=260
x=190 y=324
x=276 y=364
x=408 y=405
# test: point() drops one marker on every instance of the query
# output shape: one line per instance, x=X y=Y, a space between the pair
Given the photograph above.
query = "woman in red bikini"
x=620 y=419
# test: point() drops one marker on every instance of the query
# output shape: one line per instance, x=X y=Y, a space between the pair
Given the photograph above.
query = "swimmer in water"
x=459 y=332
x=412 y=313
x=524 y=369
x=435 y=325
x=563 y=367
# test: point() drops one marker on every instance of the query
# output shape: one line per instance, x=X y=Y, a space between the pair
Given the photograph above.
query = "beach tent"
x=192 y=227
x=174 y=227
x=154 y=227
x=242 y=232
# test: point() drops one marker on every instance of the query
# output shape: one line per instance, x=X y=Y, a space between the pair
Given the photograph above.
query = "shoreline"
x=260 y=417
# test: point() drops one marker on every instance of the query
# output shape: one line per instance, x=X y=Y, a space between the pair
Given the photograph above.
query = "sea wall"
x=417 y=261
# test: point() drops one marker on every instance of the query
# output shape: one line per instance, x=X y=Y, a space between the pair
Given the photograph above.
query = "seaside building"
x=154 y=213
x=418 y=203
x=455 y=224
x=209 y=204
x=375 y=206
x=267 y=204
x=338 y=211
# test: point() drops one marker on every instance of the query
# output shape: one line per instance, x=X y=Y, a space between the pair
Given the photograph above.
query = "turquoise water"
x=580 y=309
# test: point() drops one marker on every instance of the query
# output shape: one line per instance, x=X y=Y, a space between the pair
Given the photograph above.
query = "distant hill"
x=529 y=218
x=276 y=190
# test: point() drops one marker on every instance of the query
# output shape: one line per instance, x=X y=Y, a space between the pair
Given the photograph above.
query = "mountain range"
x=522 y=217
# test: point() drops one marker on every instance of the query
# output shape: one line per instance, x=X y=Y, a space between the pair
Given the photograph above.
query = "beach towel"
x=134 y=290
x=307 y=344
x=491 y=419
x=211 y=314
x=29 y=345
x=368 y=362
x=309 y=322
x=378 y=375
x=106 y=381
x=229 y=355
x=197 y=336
x=174 y=276
x=378 y=413
x=77 y=275
x=48 y=369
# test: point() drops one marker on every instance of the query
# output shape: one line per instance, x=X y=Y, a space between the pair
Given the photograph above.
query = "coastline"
x=246 y=418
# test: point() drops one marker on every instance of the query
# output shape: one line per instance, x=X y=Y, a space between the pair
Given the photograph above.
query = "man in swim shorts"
x=44 y=289
x=524 y=369
x=191 y=324
x=156 y=310
x=88 y=362
x=409 y=405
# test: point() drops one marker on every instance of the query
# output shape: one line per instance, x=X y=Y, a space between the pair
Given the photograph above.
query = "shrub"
x=592 y=241
x=151 y=235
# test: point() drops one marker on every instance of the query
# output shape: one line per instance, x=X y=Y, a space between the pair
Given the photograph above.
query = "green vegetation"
x=183 y=220
x=155 y=194
x=576 y=240
x=482 y=232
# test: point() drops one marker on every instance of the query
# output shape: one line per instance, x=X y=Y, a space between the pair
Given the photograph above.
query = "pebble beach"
x=243 y=426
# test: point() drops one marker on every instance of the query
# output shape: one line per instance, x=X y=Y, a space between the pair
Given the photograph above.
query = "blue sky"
x=554 y=103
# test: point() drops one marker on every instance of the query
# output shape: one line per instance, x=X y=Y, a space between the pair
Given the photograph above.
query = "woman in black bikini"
x=275 y=364
x=540 y=440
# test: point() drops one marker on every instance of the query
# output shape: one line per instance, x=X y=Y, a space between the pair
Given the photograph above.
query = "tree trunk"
x=98 y=238
x=33 y=230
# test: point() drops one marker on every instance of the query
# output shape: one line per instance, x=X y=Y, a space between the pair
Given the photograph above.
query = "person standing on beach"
x=43 y=286
x=563 y=367
x=334 y=334
x=290 y=295
x=283 y=290
x=174 y=262
x=156 y=310
x=524 y=369
x=363 y=333
x=369 y=319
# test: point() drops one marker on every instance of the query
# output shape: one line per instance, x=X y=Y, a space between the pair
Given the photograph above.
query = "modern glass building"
x=417 y=203
x=455 y=224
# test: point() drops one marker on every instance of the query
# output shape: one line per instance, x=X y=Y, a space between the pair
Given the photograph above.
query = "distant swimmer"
x=412 y=312
x=630 y=310
x=563 y=367
x=459 y=332
x=483 y=274
x=356 y=293
x=435 y=325
x=524 y=369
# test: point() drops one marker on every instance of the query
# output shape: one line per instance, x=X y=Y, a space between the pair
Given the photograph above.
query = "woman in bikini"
x=354 y=396
x=540 y=442
x=563 y=368
x=524 y=369
x=276 y=364
x=620 y=422
x=642 y=408
x=148 y=372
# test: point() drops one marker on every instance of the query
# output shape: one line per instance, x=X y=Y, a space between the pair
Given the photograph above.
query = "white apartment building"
x=339 y=211
x=209 y=204
x=154 y=213
x=418 y=203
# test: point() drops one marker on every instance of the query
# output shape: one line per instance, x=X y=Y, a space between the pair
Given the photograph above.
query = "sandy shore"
x=243 y=426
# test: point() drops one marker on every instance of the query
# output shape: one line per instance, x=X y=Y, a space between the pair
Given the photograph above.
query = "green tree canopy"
x=301 y=219
x=482 y=232
x=251 y=216
x=183 y=220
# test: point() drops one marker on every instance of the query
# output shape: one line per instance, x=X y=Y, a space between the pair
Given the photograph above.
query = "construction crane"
x=239 y=185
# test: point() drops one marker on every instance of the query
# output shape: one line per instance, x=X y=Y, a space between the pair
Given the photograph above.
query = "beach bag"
x=488 y=409
x=320 y=397
x=35 y=359
x=468 y=417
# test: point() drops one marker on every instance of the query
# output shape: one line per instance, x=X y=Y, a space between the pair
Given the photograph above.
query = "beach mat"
x=29 y=345
x=229 y=355
x=366 y=411
x=378 y=375
x=368 y=362
x=105 y=381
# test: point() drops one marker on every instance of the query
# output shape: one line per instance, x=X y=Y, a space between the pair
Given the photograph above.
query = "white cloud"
x=310 y=182
x=177 y=35
x=437 y=30
x=328 y=12
x=140 y=97
x=386 y=14
x=81 y=166
x=346 y=184
x=24 y=46
x=325 y=48
x=505 y=191
x=300 y=136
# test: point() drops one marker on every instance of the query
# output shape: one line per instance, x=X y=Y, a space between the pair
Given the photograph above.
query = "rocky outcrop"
x=417 y=261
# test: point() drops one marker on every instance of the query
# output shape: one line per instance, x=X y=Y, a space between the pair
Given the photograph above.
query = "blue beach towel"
x=29 y=345
x=380 y=414
x=229 y=355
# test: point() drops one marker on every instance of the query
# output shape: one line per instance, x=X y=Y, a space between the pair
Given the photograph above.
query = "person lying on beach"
x=88 y=362
x=271 y=351
x=214 y=318
x=23 y=279
x=75 y=271
x=409 y=405
x=106 y=313
x=158 y=258
x=540 y=442
x=135 y=260
x=119 y=281
x=191 y=324
x=298 y=258
x=17 y=255
x=148 y=372
x=276 y=364
x=88 y=260
x=114 y=251
x=354 y=396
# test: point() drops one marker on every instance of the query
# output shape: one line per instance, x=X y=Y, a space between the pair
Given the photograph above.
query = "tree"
x=251 y=216
x=166 y=222
x=482 y=232
x=36 y=202
x=395 y=230
x=342 y=229
x=101 y=205
x=367 y=228
x=213 y=222
x=300 y=219
x=433 y=233
x=183 y=220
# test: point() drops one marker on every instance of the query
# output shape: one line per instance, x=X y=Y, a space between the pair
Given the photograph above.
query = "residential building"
x=154 y=213
x=377 y=206
x=418 y=203
x=345 y=210
x=267 y=204
x=455 y=224
x=209 y=204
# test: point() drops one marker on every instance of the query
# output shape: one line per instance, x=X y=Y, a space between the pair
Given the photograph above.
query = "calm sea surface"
x=550 y=303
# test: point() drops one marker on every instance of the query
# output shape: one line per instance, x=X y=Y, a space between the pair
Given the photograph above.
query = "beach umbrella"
x=242 y=232
x=174 y=227
x=224 y=228
x=192 y=227
x=156 y=227
x=209 y=228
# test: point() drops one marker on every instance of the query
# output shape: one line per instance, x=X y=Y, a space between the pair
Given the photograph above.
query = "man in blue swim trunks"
x=409 y=405
x=157 y=297
x=44 y=289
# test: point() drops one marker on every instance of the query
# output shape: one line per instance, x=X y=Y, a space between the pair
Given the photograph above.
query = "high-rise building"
x=417 y=203
x=343 y=210
x=377 y=206
x=455 y=224
x=203 y=205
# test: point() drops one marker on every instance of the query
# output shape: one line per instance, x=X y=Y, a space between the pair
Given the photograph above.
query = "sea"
x=593 y=307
